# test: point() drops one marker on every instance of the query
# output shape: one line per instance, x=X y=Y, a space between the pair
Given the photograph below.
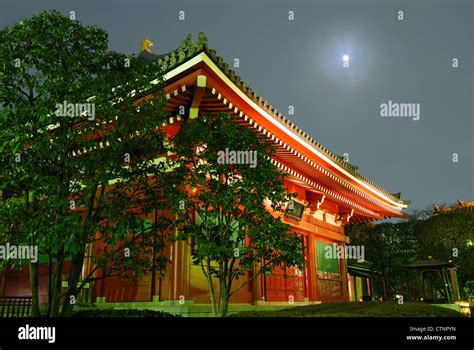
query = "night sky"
x=299 y=63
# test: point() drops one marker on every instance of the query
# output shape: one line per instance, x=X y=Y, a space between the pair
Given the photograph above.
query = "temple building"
x=460 y=207
x=331 y=192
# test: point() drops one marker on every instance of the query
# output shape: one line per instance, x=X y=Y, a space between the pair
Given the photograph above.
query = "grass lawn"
x=357 y=309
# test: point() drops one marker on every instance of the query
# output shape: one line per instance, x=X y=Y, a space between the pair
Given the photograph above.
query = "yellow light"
x=464 y=308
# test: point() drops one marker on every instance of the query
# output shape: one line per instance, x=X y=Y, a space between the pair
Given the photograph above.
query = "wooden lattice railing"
x=15 y=306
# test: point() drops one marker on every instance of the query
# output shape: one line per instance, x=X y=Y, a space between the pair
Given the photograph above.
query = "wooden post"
x=454 y=283
x=312 y=273
x=345 y=292
x=153 y=293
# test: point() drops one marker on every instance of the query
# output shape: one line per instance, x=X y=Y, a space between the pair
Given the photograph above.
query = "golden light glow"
x=464 y=308
x=146 y=45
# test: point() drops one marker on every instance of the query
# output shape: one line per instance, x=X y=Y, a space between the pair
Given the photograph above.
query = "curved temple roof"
x=189 y=49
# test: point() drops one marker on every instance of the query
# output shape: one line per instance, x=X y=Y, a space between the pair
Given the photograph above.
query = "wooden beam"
x=198 y=93
x=197 y=96
x=193 y=113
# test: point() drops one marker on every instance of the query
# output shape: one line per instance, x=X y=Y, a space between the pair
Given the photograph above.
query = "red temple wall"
x=17 y=282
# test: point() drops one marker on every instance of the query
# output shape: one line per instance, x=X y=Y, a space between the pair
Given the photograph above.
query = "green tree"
x=224 y=207
x=389 y=246
x=446 y=237
x=73 y=180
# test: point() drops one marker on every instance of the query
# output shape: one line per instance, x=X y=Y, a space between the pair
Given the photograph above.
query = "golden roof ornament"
x=146 y=45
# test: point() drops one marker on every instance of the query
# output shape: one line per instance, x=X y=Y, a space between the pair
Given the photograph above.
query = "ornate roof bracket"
x=345 y=216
